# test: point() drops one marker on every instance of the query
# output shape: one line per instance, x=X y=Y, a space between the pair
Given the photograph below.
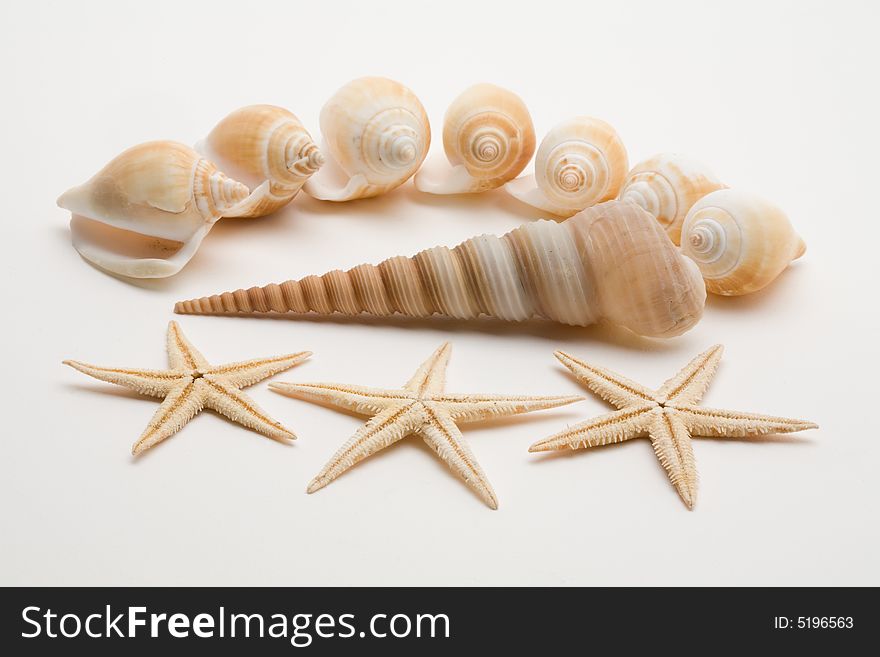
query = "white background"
x=778 y=97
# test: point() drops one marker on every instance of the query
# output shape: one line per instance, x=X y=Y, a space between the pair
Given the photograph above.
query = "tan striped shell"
x=611 y=262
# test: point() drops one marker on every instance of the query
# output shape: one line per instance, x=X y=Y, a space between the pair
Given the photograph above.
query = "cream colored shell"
x=581 y=162
x=667 y=185
x=267 y=148
x=376 y=136
x=612 y=261
x=740 y=241
x=489 y=139
x=146 y=212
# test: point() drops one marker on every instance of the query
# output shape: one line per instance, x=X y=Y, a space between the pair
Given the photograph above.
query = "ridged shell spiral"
x=488 y=137
x=612 y=261
x=740 y=241
x=667 y=185
x=146 y=212
x=376 y=135
x=580 y=162
x=269 y=149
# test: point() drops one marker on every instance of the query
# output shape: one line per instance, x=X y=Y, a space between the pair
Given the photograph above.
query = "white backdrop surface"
x=778 y=97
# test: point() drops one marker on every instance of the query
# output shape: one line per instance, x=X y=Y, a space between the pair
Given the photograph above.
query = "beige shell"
x=146 y=212
x=581 y=162
x=667 y=185
x=612 y=261
x=267 y=148
x=489 y=139
x=376 y=136
x=740 y=241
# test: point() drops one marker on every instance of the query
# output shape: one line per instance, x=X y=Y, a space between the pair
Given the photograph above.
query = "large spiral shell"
x=488 y=137
x=581 y=162
x=269 y=149
x=667 y=185
x=612 y=261
x=376 y=135
x=146 y=212
x=740 y=241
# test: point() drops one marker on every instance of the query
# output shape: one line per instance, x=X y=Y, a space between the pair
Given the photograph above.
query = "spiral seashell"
x=146 y=212
x=612 y=262
x=376 y=136
x=581 y=162
x=488 y=137
x=740 y=242
x=267 y=148
x=667 y=185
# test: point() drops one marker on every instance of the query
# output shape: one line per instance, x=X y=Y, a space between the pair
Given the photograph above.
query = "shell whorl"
x=540 y=270
x=579 y=163
x=667 y=186
x=740 y=241
x=214 y=192
x=377 y=134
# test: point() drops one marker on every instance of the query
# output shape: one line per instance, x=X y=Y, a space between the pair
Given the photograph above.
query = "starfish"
x=192 y=384
x=669 y=416
x=420 y=407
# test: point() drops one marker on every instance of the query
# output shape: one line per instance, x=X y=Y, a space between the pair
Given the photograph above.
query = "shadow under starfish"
x=668 y=416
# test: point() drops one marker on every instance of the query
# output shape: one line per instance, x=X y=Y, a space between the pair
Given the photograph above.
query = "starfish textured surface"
x=669 y=416
x=420 y=407
x=191 y=384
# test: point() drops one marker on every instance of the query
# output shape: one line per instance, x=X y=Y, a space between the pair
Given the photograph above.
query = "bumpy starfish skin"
x=420 y=407
x=669 y=416
x=192 y=384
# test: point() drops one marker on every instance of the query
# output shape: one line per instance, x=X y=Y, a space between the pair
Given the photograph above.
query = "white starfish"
x=669 y=416
x=420 y=407
x=191 y=384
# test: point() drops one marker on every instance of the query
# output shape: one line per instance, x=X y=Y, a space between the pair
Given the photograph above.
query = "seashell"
x=488 y=137
x=667 y=185
x=581 y=162
x=268 y=149
x=740 y=242
x=376 y=135
x=146 y=212
x=612 y=262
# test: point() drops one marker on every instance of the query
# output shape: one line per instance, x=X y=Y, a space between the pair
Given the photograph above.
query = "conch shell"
x=612 y=261
x=489 y=139
x=268 y=149
x=740 y=242
x=581 y=162
x=376 y=136
x=667 y=185
x=146 y=212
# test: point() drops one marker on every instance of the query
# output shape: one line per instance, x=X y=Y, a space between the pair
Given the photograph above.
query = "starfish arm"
x=441 y=434
x=688 y=386
x=181 y=353
x=606 y=429
x=155 y=383
x=672 y=445
x=430 y=378
x=360 y=399
x=249 y=372
x=178 y=408
x=469 y=408
x=719 y=423
x=239 y=407
x=379 y=432
x=610 y=386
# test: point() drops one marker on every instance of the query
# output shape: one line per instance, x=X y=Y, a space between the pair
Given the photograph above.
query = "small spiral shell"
x=581 y=162
x=740 y=241
x=146 y=212
x=612 y=261
x=268 y=148
x=488 y=137
x=667 y=185
x=377 y=135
